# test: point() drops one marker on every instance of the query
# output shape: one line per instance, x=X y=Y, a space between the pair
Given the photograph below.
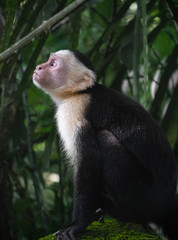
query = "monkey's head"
x=66 y=72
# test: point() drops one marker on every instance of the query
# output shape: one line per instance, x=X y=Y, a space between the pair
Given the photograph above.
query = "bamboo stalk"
x=45 y=26
x=145 y=54
x=136 y=53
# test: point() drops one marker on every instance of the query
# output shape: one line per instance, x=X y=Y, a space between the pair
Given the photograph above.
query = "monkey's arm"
x=87 y=183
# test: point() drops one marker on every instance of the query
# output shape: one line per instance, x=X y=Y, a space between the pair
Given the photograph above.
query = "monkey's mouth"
x=36 y=76
x=35 y=73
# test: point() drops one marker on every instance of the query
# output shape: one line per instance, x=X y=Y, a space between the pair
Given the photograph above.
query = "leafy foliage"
x=35 y=180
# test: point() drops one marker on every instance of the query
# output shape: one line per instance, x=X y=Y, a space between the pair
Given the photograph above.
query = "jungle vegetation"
x=133 y=45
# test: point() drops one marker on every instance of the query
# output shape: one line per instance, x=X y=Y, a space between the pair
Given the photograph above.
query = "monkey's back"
x=135 y=129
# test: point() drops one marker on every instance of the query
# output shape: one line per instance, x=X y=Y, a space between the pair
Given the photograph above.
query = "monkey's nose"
x=39 y=67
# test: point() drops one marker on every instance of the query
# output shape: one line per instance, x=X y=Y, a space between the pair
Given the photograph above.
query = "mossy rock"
x=114 y=230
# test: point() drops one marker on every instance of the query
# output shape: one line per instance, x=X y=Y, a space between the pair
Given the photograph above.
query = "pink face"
x=51 y=74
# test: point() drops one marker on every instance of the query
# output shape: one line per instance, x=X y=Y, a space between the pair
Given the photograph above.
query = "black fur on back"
x=83 y=59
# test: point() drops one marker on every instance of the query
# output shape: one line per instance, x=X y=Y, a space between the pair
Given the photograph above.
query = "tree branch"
x=45 y=26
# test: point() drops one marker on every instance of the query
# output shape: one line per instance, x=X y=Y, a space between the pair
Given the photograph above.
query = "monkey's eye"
x=53 y=63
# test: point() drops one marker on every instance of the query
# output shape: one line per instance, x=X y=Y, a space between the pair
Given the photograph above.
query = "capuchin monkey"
x=122 y=161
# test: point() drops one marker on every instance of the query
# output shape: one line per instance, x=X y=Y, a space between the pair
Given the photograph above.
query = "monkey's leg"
x=87 y=184
x=128 y=191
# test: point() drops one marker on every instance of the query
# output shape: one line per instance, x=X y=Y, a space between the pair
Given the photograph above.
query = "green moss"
x=49 y=237
x=114 y=230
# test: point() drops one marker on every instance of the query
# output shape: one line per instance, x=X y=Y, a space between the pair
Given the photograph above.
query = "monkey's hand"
x=70 y=232
x=99 y=215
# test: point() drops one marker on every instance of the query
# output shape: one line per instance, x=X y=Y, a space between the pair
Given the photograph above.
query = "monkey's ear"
x=87 y=80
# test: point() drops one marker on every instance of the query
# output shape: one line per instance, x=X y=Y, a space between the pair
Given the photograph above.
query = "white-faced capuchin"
x=122 y=161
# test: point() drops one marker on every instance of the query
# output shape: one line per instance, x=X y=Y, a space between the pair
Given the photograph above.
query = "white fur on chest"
x=67 y=131
x=69 y=118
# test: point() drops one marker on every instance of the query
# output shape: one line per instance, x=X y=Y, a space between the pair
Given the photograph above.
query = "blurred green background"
x=134 y=48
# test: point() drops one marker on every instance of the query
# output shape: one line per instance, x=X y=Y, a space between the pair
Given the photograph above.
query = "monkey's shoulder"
x=110 y=104
x=111 y=97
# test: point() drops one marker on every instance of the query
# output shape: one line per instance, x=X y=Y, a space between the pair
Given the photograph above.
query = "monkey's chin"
x=36 y=83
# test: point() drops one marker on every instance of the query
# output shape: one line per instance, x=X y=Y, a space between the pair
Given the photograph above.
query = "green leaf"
x=164 y=44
